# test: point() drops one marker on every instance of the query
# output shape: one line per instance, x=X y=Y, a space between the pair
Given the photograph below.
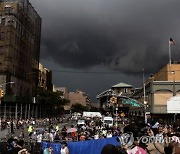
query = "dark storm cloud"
x=125 y=35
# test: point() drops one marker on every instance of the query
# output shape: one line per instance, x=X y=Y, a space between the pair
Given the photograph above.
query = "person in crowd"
x=21 y=135
x=64 y=132
x=46 y=136
x=171 y=146
x=15 y=145
x=30 y=131
x=57 y=136
x=82 y=137
x=57 y=128
x=96 y=136
x=12 y=127
x=23 y=151
x=48 y=150
x=110 y=149
x=64 y=148
x=95 y=130
x=51 y=136
x=39 y=138
x=109 y=134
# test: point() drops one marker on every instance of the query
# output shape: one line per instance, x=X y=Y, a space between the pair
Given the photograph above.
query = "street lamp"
x=173 y=73
x=174 y=91
x=145 y=116
x=144 y=99
x=1 y=85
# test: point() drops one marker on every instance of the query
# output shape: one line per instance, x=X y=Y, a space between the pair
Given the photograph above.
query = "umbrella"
x=70 y=130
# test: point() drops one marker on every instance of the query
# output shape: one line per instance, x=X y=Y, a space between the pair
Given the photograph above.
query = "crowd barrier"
x=83 y=147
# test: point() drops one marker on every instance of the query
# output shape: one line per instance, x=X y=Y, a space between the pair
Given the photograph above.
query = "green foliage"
x=94 y=109
x=51 y=101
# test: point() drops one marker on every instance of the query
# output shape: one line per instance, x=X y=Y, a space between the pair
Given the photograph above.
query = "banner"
x=83 y=147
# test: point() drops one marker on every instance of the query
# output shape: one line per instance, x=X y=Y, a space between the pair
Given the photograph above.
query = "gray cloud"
x=123 y=35
x=118 y=36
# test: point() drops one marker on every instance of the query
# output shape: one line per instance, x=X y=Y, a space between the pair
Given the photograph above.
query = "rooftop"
x=122 y=85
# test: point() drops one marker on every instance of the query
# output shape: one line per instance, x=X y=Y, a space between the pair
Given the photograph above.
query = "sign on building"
x=131 y=102
x=173 y=105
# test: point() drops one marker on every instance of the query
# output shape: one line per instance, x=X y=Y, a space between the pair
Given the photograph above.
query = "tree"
x=52 y=102
x=78 y=108
x=94 y=109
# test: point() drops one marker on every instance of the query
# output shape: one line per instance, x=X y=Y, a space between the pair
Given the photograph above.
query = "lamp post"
x=174 y=91
x=1 y=85
x=173 y=73
x=116 y=114
x=144 y=98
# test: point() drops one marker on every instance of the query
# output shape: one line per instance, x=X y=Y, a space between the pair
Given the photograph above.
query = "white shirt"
x=63 y=151
x=39 y=138
x=51 y=137
x=109 y=135
x=96 y=137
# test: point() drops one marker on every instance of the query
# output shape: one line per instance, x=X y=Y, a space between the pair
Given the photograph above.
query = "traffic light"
x=1 y=93
x=113 y=100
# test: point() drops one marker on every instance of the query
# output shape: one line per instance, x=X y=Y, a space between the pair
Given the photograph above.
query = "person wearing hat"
x=64 y=148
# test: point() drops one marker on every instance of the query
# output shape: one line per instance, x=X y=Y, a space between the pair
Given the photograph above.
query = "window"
x=125 y=90
x=3 y=21
x=2 y=36
x=1 y=49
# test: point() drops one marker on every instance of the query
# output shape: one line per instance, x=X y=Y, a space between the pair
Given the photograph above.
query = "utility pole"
x=144 y=98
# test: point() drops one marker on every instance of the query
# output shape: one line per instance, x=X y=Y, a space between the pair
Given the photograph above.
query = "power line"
x=85 y=72
x=96 y=72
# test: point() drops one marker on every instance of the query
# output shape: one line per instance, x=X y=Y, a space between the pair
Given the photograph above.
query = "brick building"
x=75 y=97
x=159 y=88
x=79 y=97
x=20 y=33
x=45 y=78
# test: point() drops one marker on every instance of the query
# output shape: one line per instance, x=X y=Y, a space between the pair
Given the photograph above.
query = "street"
x=5 y=133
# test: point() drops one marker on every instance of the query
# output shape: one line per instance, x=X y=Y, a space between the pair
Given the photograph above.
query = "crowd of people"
x=141 y=138
x=135 y=137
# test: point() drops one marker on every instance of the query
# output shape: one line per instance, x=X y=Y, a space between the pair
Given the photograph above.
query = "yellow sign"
x=122 y=114
x=113 y=100
x=1 y=93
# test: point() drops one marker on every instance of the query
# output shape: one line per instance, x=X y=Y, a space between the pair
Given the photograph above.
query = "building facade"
x=151 y=99
x=120 y=91
x=78 y=96
x=45 y=78
x=20 y=34
x=159 y=89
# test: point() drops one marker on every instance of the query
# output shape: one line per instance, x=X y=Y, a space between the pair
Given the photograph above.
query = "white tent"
x=92 y=114
x=173 y=105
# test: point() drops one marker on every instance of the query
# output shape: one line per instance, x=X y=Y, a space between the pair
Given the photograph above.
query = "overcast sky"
x=113 y=39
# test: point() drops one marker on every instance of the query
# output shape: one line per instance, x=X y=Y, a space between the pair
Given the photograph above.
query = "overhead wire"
x=101 y=72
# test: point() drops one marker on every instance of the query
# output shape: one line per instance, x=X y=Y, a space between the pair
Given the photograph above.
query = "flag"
x=171 y=41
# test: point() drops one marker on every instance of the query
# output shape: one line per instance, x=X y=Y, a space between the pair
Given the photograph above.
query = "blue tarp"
x=83 y=147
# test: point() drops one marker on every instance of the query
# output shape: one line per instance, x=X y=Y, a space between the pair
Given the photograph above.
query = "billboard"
x=173 y=105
